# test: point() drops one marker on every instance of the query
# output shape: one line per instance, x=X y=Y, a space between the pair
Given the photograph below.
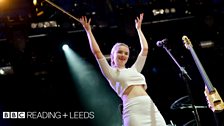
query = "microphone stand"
x=186 y=78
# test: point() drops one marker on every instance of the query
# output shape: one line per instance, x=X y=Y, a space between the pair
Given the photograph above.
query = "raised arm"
x=143 y=41
x=139 y=63
x=92 y=41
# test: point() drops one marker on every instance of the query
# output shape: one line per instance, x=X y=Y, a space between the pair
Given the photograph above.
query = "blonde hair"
x=112 y=52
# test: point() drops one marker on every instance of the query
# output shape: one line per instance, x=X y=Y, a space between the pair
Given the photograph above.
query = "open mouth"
x=122 y=59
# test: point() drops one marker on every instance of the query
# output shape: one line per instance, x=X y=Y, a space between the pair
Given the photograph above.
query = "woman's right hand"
x=85 y=23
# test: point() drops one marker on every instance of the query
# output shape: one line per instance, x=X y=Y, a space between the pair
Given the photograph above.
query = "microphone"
x=161 y=43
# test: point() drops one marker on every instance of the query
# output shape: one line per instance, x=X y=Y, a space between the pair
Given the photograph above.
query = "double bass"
x=214 y=100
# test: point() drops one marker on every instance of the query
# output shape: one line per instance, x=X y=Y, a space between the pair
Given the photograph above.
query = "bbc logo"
x=14 y=115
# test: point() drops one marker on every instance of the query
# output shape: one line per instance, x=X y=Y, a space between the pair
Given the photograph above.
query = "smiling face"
x=120 y=55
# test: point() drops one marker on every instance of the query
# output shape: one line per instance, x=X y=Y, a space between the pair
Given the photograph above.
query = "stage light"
x=173 y=10
x=155 y=12
x=33 y=25
x=206 y=44
x=40 y=13
x=87 y=83
x=6 y=70
x=40 y=25
x=34 y=2
x=65 y=47
x=53 y=23
x=167 y=11
x=161 y=11
x=2 y=71
x=2 y=2
x=45 y=24
x=38 y=5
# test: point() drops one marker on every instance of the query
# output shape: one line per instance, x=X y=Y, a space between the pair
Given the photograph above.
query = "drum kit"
x=184 y=103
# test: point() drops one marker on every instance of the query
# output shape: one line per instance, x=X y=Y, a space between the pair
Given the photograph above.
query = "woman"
x=128 y=83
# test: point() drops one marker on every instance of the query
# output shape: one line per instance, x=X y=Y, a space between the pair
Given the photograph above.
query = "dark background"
x=41 y=80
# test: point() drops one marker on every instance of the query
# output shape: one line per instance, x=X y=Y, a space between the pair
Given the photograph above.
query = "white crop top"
x=120 y=79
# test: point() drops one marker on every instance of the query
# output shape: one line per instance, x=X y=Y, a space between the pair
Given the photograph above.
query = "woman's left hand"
x=138 y=21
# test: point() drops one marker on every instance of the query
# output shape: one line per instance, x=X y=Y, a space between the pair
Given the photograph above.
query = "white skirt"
x=141 y=111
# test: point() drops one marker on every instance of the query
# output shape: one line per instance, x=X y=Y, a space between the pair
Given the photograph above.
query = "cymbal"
x=180 y=102
x=190 y=123
x=184 y=103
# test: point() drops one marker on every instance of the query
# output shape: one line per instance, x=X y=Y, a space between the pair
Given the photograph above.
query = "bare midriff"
x=133 y=91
